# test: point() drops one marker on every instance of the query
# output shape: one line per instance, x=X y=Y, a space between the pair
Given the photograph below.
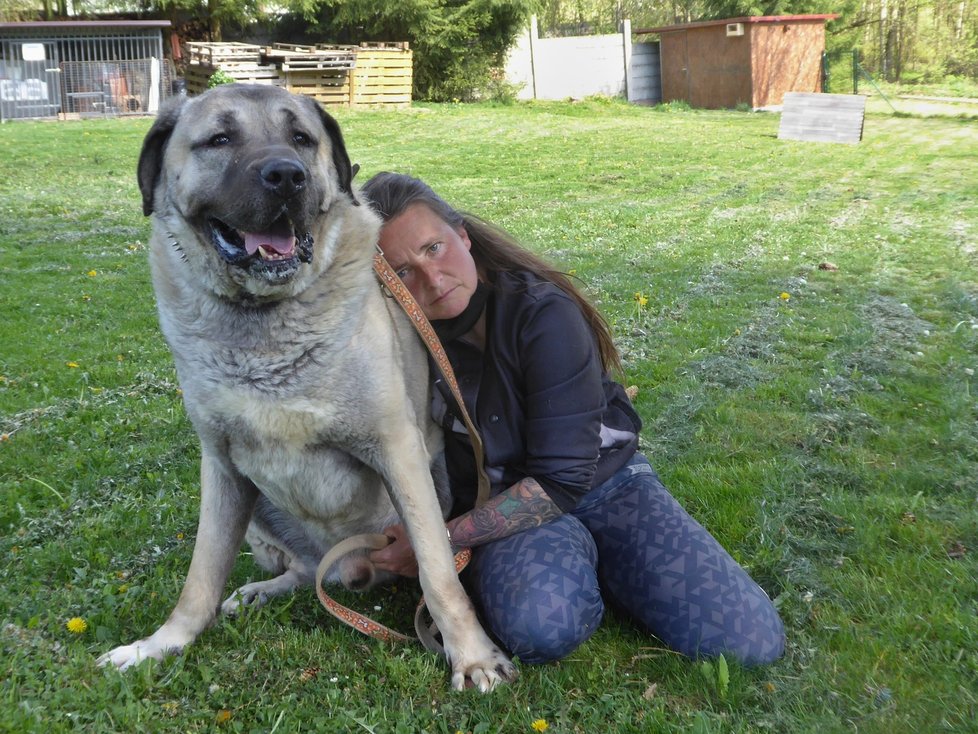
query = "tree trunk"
x=213 y=20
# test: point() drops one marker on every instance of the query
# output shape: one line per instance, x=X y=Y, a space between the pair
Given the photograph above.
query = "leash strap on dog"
x=425 y=629
x=394 y=286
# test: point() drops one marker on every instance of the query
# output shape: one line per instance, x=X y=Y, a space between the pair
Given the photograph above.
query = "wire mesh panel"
x=115 y=87
x=30 y=84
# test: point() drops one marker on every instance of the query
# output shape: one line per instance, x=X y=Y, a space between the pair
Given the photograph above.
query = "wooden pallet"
x=383 y=77
x=329 y=88
x=198 y=75
x=389 y=45
x=225 y=55
x=297 y=56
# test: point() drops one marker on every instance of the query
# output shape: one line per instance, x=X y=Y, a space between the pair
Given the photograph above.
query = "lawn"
x=800 y=320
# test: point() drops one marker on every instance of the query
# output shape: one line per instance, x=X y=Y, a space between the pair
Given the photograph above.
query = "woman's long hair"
x=493 y=249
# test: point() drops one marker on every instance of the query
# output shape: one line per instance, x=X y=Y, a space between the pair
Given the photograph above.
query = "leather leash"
x=426 y=631
x=393 y=285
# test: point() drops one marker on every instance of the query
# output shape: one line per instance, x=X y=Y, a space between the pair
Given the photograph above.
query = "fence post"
x=855 y=71
x=626 y=44
x=533 y=61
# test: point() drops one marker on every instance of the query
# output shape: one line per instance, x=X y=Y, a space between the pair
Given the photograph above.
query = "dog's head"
x=242 y=180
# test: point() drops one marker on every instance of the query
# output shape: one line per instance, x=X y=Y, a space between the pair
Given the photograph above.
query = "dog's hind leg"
x=279 y=545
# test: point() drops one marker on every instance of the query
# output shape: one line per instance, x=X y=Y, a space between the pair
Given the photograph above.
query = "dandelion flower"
x=642 y=301
x=72 y=365
x=76 y=625
x=223 y=716
x=784 y=296
x=92 y=273
x=540 y=725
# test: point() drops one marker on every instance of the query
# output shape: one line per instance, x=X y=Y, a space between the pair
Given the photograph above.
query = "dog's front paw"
x=484 y=671
x=126 y=656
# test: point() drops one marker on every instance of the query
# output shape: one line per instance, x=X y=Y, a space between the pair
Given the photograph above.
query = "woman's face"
x=432 y=258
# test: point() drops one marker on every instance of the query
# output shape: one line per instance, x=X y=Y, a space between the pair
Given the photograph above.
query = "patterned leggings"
x=540 y=591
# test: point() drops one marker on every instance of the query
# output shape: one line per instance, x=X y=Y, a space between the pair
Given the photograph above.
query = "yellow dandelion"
x=572 y=271
x=92 y=273
x=180 y=536
x=76 y=625
x=72 y=365
x=123 y=588
x=641 y=300
x=540 y=725
x=223 y=716
x=784 y=296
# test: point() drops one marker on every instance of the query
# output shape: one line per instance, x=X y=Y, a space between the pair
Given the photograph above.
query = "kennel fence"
x=82 y=68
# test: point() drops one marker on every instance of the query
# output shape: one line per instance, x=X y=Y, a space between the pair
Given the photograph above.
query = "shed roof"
x=746 y=19
x=88 y=24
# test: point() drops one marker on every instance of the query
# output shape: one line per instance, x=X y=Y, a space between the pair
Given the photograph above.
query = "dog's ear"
x=154 y=145
x=341 y=159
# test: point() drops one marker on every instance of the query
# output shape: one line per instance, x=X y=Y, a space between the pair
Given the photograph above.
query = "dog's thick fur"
x=306 y=386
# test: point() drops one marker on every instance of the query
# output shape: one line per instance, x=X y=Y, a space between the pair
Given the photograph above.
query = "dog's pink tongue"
x=282 y=244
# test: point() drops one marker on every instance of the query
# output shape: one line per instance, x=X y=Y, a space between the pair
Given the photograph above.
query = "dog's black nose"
x=284 y=176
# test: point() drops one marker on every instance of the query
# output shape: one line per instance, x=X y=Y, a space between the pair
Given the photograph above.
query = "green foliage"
x=218 y=78
x=458 y=44
x=828 y=439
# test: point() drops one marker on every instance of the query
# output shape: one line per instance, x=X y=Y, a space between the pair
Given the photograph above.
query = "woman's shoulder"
x=527 y=303
x=527 y=286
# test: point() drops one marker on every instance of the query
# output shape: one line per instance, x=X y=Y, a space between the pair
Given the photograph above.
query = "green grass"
x=828 y=437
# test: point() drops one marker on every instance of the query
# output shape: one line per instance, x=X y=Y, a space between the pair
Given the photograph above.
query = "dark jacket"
x=538 y=395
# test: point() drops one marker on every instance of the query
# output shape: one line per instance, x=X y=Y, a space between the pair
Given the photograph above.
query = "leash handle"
x=390 y=281
x=374 y=541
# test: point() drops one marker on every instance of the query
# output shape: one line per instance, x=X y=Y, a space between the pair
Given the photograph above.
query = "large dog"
x=307 y=387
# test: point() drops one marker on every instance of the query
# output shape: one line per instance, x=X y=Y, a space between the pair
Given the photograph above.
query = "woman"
x=576 y=512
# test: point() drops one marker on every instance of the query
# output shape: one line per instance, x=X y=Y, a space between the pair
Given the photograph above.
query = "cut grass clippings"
x=800 y=321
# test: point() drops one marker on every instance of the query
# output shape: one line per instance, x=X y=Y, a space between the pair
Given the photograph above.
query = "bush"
x=218 y=78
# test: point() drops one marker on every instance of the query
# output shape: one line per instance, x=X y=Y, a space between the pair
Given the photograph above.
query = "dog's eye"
x=300 y=138
x=216 y=141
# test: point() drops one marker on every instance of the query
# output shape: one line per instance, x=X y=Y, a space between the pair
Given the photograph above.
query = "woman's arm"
x=522 y=506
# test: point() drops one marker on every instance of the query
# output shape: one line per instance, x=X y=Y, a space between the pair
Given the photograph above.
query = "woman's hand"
x=397 y=557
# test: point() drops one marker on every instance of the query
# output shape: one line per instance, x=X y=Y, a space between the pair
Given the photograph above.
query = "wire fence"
x=101 y=88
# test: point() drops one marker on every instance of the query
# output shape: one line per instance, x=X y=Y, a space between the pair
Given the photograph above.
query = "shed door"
x=674 y=58
x=30 y=85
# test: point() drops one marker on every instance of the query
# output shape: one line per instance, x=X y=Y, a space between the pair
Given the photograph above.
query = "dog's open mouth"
x=278 y=250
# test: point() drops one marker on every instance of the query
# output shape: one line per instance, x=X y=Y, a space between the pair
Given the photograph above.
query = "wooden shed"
x=718 y=64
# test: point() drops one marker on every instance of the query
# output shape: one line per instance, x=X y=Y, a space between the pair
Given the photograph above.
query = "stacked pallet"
x=383 y=76
x=368 y=75
x=320 y=72
x=241 y=61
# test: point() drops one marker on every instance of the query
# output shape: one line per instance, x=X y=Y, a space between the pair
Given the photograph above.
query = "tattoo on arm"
x=524 y=505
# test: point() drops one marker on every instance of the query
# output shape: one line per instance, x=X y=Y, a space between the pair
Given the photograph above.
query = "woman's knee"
x=538 y=591
x=554 y=629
